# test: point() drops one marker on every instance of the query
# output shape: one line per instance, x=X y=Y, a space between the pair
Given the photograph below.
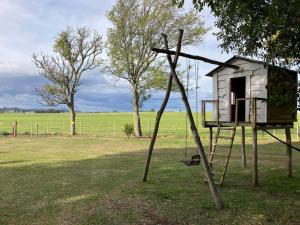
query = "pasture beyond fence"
x=108 y=125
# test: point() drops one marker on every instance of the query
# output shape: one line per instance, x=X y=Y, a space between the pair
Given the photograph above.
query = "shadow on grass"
x=12 y=162
x=108 y=190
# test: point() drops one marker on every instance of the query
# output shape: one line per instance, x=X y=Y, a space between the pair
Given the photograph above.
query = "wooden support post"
x=37 y=129
x=298 y=134
x=114 y=128
x=289 y=153
x=15 y=129
x=149 y=128
x=214 y=191
x=244 y=160
x=161 y=111
x=254 y=146
x=80 y=128
x=210 y=140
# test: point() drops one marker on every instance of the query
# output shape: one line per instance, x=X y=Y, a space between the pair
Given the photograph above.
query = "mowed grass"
x=89 y=180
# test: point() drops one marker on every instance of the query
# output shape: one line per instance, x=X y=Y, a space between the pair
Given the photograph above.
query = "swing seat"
x=194 y=161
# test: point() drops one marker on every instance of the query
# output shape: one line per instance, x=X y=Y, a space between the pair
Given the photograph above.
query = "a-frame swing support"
x=214 y=191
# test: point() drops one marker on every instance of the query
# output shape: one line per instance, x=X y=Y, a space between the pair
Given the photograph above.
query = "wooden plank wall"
x=256 y=81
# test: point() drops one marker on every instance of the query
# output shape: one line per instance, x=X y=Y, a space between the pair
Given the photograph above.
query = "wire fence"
x=116 y=129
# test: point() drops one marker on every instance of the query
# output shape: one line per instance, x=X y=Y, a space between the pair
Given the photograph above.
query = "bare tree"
x=75 y=51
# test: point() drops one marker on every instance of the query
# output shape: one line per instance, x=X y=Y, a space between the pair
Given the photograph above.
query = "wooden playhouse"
x=258 y=95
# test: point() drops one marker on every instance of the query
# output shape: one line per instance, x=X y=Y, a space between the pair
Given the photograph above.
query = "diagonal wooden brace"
x=161 y=110
x=214 y=191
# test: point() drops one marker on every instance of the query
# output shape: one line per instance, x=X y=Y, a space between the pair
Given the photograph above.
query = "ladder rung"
x=214 y=173
x=216 y=163
x=227 y=128
x=218 y=183
x=212 y=153
x=225 y=137
x=216 y=144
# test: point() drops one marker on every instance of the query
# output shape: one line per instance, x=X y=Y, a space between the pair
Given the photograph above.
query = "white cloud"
x=30 y=26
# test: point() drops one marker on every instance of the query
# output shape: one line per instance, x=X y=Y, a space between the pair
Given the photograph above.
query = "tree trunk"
x=72 y=120
x=136 y=111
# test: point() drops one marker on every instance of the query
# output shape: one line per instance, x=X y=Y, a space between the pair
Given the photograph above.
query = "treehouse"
x=246 y=93
x=256 y=93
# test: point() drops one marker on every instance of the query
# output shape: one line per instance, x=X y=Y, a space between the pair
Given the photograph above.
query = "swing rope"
x=197 y=86
x=188 y=64
x=195 y=159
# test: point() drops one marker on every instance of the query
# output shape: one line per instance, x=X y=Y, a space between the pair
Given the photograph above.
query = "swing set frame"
x=200 y=150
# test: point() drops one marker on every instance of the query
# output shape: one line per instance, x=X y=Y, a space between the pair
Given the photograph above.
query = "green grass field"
x=93 y=179
x=89 y=180
x=98 y=124
x=90 y=123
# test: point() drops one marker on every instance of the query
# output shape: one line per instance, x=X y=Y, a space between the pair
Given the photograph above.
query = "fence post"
x=298 y=134
x=189 y=131
x=15 y=125
x=114 y=128
x=97 y=131
x=149 y=126
x=80 y=128
x=31 y=129
x=37 y=129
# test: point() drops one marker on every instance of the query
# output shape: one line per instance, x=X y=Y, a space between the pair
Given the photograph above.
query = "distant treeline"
x=19 y=110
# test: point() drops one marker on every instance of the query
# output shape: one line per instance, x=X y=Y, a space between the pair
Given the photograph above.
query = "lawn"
x=108 y=124
x=89 y=180
x=101 y=124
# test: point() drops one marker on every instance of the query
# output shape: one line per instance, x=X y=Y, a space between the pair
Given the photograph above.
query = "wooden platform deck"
x=258 y=126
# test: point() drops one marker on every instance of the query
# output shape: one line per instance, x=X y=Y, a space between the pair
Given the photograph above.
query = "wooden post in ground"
x=289 y=153
x=298 y=134
x=161 y=110
x=114 y=128
x=244 y=160
x=214 y=191
x=15 y=128
x=37 y=129
x=149 y=128
x=80 y=128
x=210 y=140
x=254 y=146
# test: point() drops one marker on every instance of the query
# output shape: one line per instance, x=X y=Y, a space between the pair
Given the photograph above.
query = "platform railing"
x=253 y=112
x=253 y=102
x=203 y=111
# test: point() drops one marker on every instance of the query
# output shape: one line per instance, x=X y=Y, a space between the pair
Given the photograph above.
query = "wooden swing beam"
x=197 y=57
x=214 y=191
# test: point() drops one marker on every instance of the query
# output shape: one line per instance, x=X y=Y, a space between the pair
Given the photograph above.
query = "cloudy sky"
x=30 y=26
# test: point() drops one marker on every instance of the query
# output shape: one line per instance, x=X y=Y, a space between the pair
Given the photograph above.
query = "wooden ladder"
x=220 y=154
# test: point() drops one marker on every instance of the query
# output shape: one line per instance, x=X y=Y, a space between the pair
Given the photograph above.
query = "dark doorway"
x=238 y=90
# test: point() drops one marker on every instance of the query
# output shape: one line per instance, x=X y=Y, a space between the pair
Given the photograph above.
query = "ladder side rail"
x=228 y=157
